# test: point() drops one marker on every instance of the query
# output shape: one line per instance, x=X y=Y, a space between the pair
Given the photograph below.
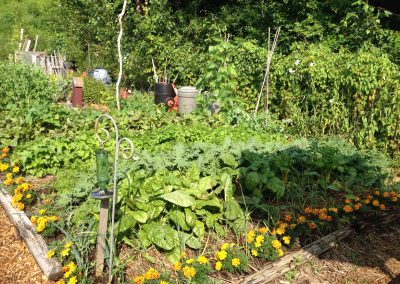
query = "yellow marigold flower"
x=69 y=269
x=221 y=255
x=15 y=170
x=47 y=201
x=218 y=265
x=138 y=279
x=348 y=209
x=33 y=219
x=260 y=239
x=68 y=245
x=283 y=225
x=357 y=206
x=4 y=167
x=189 y=272
x=183 y=255
x=280 y=230
x=257 y=245
x=254 y=252
x=42 y=211
x=61 y=281
x=263 y=230
x=301 y=219
x=375 y=203
x=73 y=280
x=312 y=225
x=18 y=180
x=163 y=282
x=367 y=201
x=292 y=226
x=250 y=236
x=382 y=206
x=225 y=246
x=18 y=197
x=40 y=227
x=189 y=261
x=286 y=240
x=9 y=176
x=65 y=252
x=276 y=244
x=280 y=252
x=202 y=259
x=152 y=274
x=20 y=206
x=177 y=266
x=28 y=196
x=288 y=218
x=236 y=262
x=376 y=192
x=394 y=199
x=54 y=218
x=50 y=253
x=347 y=201
x=386 y=194
x=8 y=182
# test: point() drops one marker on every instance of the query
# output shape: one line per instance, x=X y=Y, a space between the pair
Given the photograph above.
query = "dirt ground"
x=371 y=256
x=16 y=263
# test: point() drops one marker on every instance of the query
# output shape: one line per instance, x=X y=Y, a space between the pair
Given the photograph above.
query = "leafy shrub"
x=96 y=92
x=353 y=94
x=23 y=84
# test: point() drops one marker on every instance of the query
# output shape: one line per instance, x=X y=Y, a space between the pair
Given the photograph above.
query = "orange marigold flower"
x=357 y=206
x=308 y=210
x=386 y=194
x=375 y=203
x=288 y=218
x=315 y=211
x=370 y=197
x=348 y=209
x=322 y=216
x=382 y=206
x=151 y=274
x=376 y=192
x=263 y=230
x=347 y=201
x=301 y=219
x=357 y=198
x=292 y=226
x=328 y=218
x=312 y=225
x=138 y=279
x=367 y=201
x=5 y=150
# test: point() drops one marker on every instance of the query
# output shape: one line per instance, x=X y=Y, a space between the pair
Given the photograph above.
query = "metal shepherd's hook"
x=127 y=153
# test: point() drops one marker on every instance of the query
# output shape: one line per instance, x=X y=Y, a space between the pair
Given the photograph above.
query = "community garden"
x=207 y=197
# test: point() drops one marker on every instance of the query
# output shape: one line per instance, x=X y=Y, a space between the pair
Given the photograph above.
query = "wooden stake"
x=101 y=237
x=36 y=41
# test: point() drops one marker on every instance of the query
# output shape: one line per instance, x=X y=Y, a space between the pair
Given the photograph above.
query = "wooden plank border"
x=51 y=268
x=278 y=268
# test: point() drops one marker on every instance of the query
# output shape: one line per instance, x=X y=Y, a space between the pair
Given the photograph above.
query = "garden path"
x=17 y=265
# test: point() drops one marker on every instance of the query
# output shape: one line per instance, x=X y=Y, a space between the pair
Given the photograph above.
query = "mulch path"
x=17 y=265
x=370 y=256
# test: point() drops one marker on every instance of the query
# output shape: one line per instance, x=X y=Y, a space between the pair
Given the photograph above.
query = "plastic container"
x=162 y=93
x=187 y=99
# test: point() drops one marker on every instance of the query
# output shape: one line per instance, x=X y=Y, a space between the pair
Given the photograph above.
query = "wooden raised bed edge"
x=51 y=268
x=278 y=268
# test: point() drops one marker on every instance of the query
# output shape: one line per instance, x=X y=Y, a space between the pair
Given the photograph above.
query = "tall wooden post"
x=101 y=237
